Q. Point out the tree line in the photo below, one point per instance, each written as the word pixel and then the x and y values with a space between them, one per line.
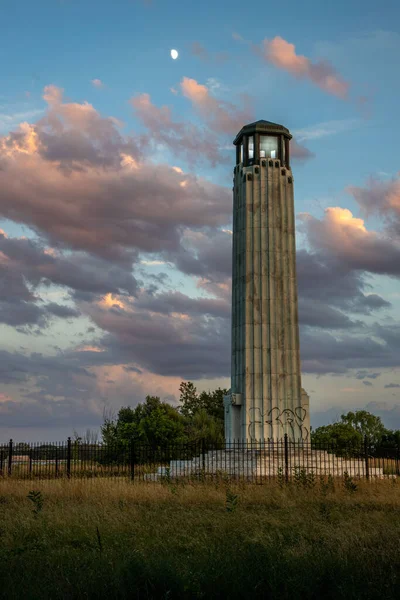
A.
pixel 200 417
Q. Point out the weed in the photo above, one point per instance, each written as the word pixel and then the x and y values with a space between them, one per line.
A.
pixel 348 483
pixel 311 480
pixel 99 542
pixel 325 511
pixel 303 479
pixel 167 476
pixel 281 477
pixel 231 501
pixel 36 497
pixel 323 485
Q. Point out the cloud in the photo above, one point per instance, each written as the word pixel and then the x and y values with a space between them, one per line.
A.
pixel 72 136
pixel 165 343
pixel 214 85
pixel 346 238
pixel 282 54
pixel 169 333
pixel 178 303
pixel 9 121
pixel 201 52
pixel 64 312
pixel 321 278
pixel 60 391
pixel 74 179
pixel 323 352
pixel 389 413
pixel 392 385
pixel 365 374
pixel 220 116
pixel 183 139
pixel 18 304
pixel 103 213
pixel 327 128
pixel 314 313
pixel 97 83
pixel 368 383
pixel 380 198
pixel 205 253
pixel 299 152
pixel 26 260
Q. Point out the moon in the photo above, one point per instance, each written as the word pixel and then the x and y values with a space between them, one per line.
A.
pixel 174 54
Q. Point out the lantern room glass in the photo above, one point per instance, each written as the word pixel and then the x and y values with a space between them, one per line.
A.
pixel 268 146
pixel 251 147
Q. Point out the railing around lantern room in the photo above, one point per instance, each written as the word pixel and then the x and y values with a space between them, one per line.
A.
pixel 254 147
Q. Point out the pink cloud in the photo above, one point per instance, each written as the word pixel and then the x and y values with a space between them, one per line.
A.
pixel 382 198
pixel 344 237
pixel 220 116
pixel 224 117
pixel 300 152
pixel 171 325
pixel 283 55
pixel 75 179
pixel 184 139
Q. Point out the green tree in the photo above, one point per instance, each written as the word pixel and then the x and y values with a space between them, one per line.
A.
pixel 210 402
pixel 366 424
pixel 351 430
pixel 189 398
pixel 203 427
pixel 342 436
pixel 390 439
pixel 152 422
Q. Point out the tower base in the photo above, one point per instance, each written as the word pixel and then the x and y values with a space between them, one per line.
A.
pixel 279 421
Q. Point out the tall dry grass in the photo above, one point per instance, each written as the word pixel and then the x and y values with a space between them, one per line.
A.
pixel 103 539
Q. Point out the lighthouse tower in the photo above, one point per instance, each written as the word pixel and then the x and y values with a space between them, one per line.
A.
pixel 266 399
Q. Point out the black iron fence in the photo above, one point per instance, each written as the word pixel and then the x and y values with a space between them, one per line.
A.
pixel 252 461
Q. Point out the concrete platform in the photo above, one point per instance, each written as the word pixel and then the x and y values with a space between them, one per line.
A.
pixel 253 464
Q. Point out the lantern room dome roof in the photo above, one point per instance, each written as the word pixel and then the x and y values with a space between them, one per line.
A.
pixel 262 126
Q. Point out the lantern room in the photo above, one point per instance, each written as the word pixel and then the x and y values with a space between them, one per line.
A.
pixel 262 140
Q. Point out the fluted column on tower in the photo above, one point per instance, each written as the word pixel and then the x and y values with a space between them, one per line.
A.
pixel 266 399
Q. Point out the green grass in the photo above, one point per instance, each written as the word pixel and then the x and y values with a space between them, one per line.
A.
pixel 107 539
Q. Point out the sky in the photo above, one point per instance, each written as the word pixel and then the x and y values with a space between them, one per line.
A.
pixel 116 166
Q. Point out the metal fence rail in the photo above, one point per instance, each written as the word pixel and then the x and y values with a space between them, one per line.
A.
pixel 257 461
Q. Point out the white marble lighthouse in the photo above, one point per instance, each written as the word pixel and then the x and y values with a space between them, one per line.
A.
pixel 266 398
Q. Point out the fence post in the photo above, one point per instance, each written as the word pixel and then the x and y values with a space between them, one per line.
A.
pixel 30 460
pixel 56 447
pixel 366 457
pixel 286 458
pixel 69 458
pixel 397 459
pixel 203 451
pixel 132 460
pixel 10 454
